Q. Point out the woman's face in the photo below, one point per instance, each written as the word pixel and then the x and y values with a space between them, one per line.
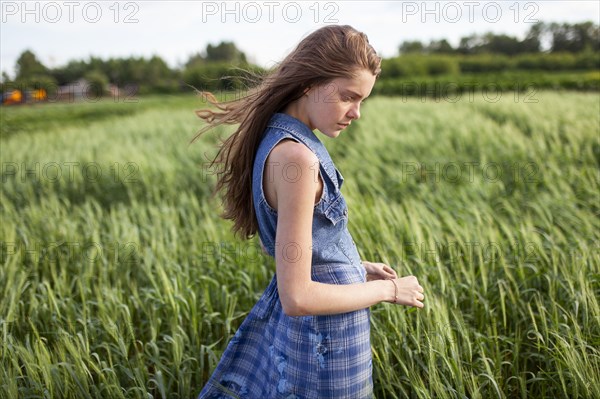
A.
pixel 332 106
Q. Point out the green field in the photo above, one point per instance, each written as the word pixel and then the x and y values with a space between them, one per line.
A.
pixel 118 279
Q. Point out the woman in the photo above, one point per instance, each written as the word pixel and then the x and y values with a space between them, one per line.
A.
pixel 308 335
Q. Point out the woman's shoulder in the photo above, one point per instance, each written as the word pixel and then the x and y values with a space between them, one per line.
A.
pixel 294 169
pixel 289 150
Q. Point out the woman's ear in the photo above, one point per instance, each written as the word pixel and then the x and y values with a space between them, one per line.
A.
pixel 306 90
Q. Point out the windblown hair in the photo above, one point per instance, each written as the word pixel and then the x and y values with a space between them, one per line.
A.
pixel 328 53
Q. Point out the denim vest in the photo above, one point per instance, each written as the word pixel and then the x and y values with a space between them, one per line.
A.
pixel 331 240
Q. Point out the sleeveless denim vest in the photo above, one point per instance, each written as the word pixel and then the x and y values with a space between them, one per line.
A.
pixel 332 242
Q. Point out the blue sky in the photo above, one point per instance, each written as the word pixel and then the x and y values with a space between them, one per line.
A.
pixel 265 30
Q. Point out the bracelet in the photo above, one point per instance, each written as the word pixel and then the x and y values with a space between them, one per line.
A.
pixel 395 290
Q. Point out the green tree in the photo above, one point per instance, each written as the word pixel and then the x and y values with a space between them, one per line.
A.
pixel 75 69
pixel 158 77
pixel 225 52
pixel 414 46
pixel 98 83
pixel 28 65
pixel 439 47
pixel 194 60
pixel 502 44
pixel 534 39
pixel 574 38
pixel 470 44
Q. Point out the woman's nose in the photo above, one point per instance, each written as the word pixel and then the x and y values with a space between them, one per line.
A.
pixel 354 111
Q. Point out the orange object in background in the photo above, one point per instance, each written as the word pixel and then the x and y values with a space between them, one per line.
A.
pixel 12 97
pixel 39 95
pixel 20 97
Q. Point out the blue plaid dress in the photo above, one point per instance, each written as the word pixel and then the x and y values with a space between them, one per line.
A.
pixel 273 355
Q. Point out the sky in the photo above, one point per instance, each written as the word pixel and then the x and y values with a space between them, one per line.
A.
pixel 60 31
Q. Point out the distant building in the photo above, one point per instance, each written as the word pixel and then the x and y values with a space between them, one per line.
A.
pixel 114 90
pixel 79 90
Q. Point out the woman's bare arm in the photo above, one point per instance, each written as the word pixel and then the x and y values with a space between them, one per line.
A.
pixel 293 254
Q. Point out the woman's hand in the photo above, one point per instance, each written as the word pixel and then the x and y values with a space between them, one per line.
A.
pixel 408 292
pixel 379 271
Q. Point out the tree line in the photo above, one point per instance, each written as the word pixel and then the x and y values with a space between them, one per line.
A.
pixel 571 38
pixel 570 47
pixel 145 75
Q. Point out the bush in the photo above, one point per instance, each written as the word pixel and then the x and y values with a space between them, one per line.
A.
pixel 491 82
pixel 411 65
pixel 98 83
pixel 587 60
pixel 442 65
pixel 484 63
pixel 418 65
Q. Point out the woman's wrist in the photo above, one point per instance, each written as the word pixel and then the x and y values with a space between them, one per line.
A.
pixel 366 265
pixel 388 290
pixel 395 290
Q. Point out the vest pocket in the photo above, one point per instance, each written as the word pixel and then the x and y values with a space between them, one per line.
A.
pixel 337 210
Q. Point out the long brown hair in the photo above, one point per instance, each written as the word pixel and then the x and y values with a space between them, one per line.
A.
pixel 330 52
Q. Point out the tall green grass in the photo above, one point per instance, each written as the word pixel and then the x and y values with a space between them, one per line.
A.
pixel 127 284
